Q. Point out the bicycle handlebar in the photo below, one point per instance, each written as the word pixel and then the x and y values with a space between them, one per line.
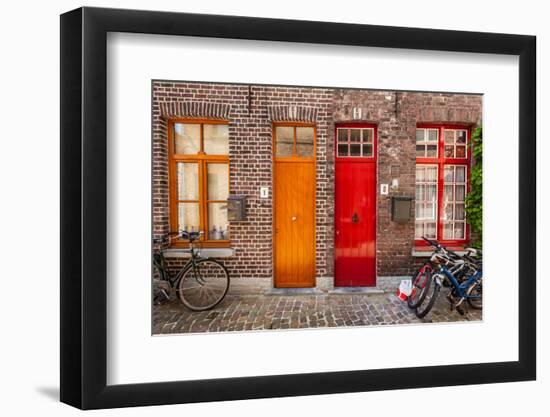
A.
pixel 191 236
pixel 432 242
pixel 440 247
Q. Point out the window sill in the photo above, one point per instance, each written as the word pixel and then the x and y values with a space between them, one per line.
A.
pixel 426 251
pixel 205 252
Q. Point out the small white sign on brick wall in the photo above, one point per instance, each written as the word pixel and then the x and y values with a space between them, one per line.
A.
pixel 264 192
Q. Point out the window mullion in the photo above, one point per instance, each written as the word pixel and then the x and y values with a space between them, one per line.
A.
pixel 440 189
pixel 440 180
pixel 202 199
pixel 201 150
pixel 173 184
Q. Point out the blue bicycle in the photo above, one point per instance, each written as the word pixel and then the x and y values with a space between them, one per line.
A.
pixel 463 274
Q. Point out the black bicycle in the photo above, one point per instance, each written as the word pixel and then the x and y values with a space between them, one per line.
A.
pixel 201 284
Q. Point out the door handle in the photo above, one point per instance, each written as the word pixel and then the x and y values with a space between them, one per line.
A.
pixel 294 218
pixel 354 218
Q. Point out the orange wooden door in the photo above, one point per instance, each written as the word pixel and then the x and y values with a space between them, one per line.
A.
pixel 294 224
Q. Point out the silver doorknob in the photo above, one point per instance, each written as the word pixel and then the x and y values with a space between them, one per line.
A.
pixel 294 218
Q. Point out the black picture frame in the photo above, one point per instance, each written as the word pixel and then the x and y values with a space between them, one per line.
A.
pixel 84 207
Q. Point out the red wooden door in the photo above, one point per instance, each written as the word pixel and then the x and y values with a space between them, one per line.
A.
pixel 355 211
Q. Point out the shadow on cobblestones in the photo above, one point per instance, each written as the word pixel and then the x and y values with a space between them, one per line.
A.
pixel 274 312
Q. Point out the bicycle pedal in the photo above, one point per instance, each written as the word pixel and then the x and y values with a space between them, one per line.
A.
pixel 161 297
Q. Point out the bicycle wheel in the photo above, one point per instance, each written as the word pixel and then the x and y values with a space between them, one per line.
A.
pixel 423 309
pixel 475 295
pixel 420 286
pixel 203 286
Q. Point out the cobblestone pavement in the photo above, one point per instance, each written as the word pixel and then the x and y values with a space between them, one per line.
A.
pixel 272 312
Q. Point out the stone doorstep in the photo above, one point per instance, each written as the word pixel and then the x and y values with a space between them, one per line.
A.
pixel 357 290
pixel 264 286
pixel 294 291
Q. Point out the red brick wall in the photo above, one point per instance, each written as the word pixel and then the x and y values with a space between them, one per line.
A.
pixel 250 149
pixel 397 115
pixel 251 110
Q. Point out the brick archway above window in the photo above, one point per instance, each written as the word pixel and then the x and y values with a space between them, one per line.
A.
pixel 195 109
pixel 292 114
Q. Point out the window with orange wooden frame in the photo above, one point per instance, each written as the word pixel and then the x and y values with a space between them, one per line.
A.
pixel 199 179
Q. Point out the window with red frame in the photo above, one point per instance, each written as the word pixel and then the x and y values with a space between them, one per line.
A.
pixel 442 167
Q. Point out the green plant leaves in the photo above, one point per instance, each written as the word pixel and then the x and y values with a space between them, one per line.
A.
pixel 474 199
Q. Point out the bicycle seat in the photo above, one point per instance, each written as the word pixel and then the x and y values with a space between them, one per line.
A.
pixel 191 236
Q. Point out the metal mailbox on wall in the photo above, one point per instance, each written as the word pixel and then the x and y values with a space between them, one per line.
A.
pixel 236 208
pixel 401 209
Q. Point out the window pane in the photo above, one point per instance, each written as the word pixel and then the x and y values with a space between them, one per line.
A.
pixel 431 192
pixel 355 149
pixel 342 135
pixel 459 230
pixel 420 135
pixel 423 213
pixel 431 174
pixel 419 192
pixel 188 217
pixel 447 212
pixel 342 150
pixel 216 139
pixel 367 149
pixel 285 140
pixel 461 136
pixel 449 174
pixel 367 135
pixel 426 212
pixel 447 231
pixel 461 151
pixel 430 211
pixel 420 151
pixel 187 138
pixel 355 135
pixel 430 230
pixel 304 141
pixel 459 212
pixel 418 230
pixel 460 191
pixel 432 135
pixel 218 181
pixel 188 181
pixel 449 151
pixel 448 193
pixel 431 151
pixel 419 210
pixel 460 173
pixel 449 136
pixel 420 173
pixel 217 219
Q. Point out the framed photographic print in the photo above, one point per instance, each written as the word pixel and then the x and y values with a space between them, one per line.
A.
pixel 279 208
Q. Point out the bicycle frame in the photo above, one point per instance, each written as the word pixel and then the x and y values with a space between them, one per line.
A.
pixel 173 280
pixel 462 288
